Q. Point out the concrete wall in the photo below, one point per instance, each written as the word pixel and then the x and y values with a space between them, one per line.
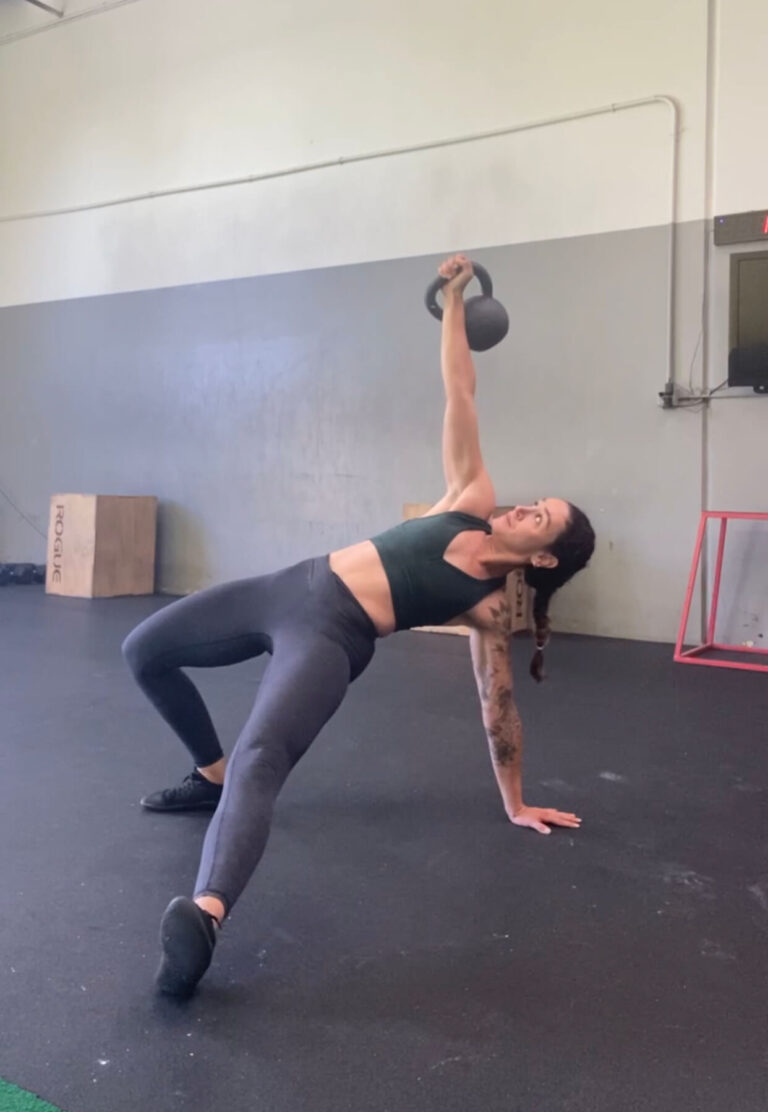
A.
pixel 281 416
pixel 263 362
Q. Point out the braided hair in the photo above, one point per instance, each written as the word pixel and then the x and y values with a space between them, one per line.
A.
pixel 573 549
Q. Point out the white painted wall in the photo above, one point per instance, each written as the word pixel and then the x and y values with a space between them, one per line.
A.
pixel 737 427
pixel 168 93
pixel 741 107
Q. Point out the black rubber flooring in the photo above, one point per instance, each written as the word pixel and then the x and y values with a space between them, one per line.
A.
pixel 402 946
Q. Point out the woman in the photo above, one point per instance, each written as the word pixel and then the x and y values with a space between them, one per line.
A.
pixel 319 620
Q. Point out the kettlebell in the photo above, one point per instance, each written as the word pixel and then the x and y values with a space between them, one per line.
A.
pixel 486 318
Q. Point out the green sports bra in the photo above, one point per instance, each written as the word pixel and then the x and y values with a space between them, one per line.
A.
pixel 426 590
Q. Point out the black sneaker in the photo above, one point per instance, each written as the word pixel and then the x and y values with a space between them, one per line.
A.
pixel 194 793
pixel 188 938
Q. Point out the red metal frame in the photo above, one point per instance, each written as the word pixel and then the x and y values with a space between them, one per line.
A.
pixel 693 656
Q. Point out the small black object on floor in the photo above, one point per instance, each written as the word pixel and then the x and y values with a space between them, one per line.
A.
pixel 402 945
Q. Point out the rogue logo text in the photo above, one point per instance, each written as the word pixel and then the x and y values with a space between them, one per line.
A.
pixel 58 543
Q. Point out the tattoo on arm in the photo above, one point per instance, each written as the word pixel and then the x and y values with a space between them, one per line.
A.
pixel 505 741
pixel 494 682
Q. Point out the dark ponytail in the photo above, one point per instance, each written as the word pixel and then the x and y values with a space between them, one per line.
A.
pixel 573 549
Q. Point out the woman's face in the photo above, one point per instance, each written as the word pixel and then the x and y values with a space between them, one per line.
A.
pixel 527 531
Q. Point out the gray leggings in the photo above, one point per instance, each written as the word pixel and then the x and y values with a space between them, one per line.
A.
pixel 320 639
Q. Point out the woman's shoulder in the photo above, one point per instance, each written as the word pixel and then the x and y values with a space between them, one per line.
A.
pixel 478 500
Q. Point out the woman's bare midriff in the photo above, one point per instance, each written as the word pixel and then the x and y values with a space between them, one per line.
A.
pixel 360 568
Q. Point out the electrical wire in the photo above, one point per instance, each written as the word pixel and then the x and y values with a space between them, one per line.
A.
pixel 697 402
pixel 21 513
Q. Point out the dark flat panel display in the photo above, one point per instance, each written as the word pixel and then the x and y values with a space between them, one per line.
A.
pixel 748 356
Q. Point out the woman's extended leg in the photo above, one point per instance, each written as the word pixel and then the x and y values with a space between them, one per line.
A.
pixel 303 685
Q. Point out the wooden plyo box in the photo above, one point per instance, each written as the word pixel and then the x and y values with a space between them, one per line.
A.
pixel 101 545
pixel 518 592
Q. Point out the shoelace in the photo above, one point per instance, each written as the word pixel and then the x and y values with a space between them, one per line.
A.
pixel 186 787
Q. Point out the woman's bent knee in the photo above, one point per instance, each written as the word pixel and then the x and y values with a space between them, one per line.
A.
pixel 135 651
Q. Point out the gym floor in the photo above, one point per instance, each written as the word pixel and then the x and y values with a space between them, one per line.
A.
pixel 402 946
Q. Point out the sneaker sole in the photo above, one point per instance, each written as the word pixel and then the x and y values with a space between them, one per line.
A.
pixel 206 806
pixel 187 949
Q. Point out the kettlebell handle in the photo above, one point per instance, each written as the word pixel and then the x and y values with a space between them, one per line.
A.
pixel 482 275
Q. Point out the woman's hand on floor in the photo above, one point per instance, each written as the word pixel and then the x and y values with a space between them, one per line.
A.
pixel 538 817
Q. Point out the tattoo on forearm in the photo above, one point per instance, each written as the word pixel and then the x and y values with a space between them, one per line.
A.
pixel 500 715
pixel 505 739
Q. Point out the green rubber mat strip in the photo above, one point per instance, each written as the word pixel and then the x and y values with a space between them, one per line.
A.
pixel 14 1099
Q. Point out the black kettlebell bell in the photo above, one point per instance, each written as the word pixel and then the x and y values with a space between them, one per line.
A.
pixel 487 322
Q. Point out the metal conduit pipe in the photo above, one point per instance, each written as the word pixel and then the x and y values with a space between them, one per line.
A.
pixel 61 18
